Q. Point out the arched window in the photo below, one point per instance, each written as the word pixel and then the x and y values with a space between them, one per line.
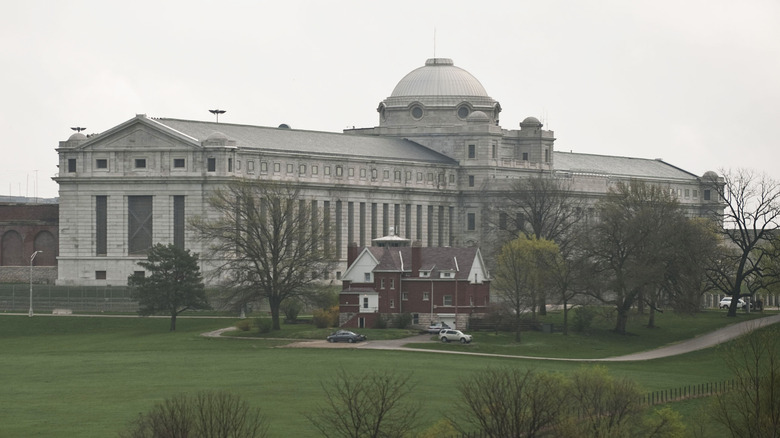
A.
pixel 11 249
pixel 44 241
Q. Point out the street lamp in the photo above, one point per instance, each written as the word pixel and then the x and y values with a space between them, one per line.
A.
pixel 32 257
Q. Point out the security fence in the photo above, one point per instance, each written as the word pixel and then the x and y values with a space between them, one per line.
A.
pixel 46 297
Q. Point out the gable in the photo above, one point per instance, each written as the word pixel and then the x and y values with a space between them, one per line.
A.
pixel 140 134
pixel 365 262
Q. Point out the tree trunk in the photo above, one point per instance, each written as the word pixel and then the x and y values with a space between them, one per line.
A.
pixel 622 321
pixel 275 315
pixel 173 322
pixel 651 320
pixel 517 327
pixel 565 318
pixel 542 305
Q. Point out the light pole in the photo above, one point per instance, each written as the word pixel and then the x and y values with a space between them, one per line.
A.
pixel 32 257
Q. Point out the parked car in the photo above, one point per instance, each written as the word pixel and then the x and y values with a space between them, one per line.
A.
pixel 454 335
pixel 345 336
pixel 726 302
pixel 436 328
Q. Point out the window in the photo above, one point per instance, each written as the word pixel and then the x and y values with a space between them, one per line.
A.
pixel 472 151
pixel 326 170
pixel 430 176
pixel 139 224
pixel 471 219
pixel 338 275
pixel 471 180
pixel 546 155
pixel 706 195
pixel 447 301
pixel 687 193
pixel 397 175
pixel 362 173
pixel 493 150
pixel 302 169
pixel 101 225
pixel 405 296
pixel 211 165
pixel 382 283
pixel 695 194
pixel 230 164
pixel 367 277
pixel 351 172
pixel 71 165
pixel 426 296
pixel 263 166
pixel 385 174
pixel 417 112
pixel 452 178
pixel 139 274
pixel 100 275
pixel 408 175
pixel 365 302
pixel 178 163
pixel 289 168
pixel 178 221
pixel 415 318
pixel 140 163
pixel 525 156
pixel 277 167
pixel 419 176
pixel 250 166
pixel 238 164
pixel 339 171
pixel 374 173
pixel 392 283
pixel 315 170
pixel 463 112
pixel 101 163
pixel 392 303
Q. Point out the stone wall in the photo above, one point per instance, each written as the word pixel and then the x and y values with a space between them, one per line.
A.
pixel 21 274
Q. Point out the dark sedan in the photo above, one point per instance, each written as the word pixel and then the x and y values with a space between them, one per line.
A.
pixel 345 336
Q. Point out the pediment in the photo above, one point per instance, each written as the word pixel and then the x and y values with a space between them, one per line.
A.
pixel 140 136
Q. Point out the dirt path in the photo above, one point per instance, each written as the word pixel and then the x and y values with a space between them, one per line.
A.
pixel 698 343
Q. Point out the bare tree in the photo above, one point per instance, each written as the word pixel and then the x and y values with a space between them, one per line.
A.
pixel 369 404
pixel 268 242
pixel 510 403
pixel 750 220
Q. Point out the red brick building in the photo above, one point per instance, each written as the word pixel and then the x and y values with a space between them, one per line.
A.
pixel 432 284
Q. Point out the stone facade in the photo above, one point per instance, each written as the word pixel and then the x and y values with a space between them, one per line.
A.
pixel 25 229
pixel 431 169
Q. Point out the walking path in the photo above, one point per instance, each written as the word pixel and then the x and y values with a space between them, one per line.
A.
pixel 698 343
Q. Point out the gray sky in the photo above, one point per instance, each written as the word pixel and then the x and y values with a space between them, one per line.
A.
pixel 696 83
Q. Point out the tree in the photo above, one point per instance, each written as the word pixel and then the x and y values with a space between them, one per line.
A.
pixel 174 285
pixel 543 207
pixel 510 403
pixel 268 242
pixel 631 247
pixel 205 415
pixel 368 404
pixel 524 274
pixel 750 220
pixel 752 407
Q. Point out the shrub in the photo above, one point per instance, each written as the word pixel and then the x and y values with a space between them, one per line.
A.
pixel 291 307
pixel 583 317
pixel 244 325
pixel 381 323
pixel 403 320
pixel 264 325
pixel 323 318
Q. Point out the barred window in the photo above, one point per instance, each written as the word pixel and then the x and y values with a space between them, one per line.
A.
pixel 139 224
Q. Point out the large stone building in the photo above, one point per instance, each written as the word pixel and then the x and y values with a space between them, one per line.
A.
pixel 431 168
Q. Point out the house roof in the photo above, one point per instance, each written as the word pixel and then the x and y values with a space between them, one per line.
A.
pixel 618 166
pixel 309 142
pixel 434 259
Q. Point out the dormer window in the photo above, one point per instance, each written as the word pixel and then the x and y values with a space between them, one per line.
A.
pixel 425 274
pixel 446 275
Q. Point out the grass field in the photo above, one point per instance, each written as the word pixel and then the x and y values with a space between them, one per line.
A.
pixel 88 377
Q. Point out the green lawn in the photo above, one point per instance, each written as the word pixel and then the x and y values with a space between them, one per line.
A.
pixel 87 377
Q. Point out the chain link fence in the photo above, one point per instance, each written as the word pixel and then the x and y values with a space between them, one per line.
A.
pixel 47 297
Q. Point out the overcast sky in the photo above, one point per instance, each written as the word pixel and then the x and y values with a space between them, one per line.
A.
pixel 696 83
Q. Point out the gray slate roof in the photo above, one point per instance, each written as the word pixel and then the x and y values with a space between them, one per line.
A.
pixel 435 259
pixel 311 142
pixel 618 166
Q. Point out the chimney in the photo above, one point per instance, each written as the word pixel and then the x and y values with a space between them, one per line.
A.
pixel 416 258
pixel 352 253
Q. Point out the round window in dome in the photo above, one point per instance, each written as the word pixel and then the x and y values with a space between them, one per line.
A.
pixel 417 112
pixel 463 112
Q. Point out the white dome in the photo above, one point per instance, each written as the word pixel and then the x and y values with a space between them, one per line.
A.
pixel 439 77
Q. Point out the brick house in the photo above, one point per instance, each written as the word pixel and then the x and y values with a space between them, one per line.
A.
pixel 431 283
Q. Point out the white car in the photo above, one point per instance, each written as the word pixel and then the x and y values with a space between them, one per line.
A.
pixel 725 303
pixel 454 335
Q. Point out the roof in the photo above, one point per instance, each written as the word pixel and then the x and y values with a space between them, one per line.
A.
pixel 434 259
pixel 309 142
pixel 618 166
pixel 439 77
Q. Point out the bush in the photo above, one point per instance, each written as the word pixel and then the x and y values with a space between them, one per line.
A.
pixel 244 325
pixel 322 318
pixel 403 320
pixel 264 325
pixel 381 323
pixel 291 307
pixel 583 317
pixel 207 414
